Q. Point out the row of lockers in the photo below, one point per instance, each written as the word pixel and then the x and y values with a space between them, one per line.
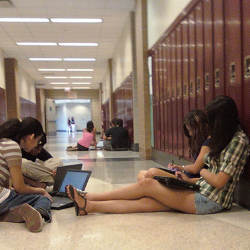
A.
pixel 205 54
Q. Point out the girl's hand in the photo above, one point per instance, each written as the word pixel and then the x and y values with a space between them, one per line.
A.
pixel 180 175
pixel 174 166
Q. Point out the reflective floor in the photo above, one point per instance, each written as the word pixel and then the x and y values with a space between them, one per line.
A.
pixel 164 230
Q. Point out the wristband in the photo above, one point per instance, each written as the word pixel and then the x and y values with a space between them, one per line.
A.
pixel 183 169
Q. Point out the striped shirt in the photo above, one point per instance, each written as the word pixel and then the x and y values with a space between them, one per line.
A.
pixel 9 152
pixel 231 161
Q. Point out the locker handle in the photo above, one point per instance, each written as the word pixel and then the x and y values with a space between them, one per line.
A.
pixel 207 81
pixel 217 78
pixel 191 88
pixel 185 90
pixel 232 72
pixel 247 66
pixel 198 85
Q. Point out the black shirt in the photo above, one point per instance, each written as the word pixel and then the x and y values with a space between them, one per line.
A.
pixel 44 155
pixel 119 137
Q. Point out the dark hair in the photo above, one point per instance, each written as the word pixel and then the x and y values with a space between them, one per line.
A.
pixel 15 129
pixel 198 123
pixel 223 121
pixel 43 140
pixel 90 126
pixel 119 122
pixel 114 122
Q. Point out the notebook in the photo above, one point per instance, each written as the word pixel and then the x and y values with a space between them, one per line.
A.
pixel 176 183
pixel 77 178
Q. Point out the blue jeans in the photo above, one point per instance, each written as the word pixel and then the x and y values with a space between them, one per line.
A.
pixel 40 203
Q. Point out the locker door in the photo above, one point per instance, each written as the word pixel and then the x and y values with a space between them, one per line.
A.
pixel 185 60
pixel 219 86
pixel 246 64
pixel 233 52
pixel 169 101
pixel 174 104
pixel 179 99
pixel 192 58
pixel 208 51
pixel 165 75
pixel 199 56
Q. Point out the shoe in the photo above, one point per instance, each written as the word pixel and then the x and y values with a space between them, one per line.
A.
pixel 77 208
pixel 31 216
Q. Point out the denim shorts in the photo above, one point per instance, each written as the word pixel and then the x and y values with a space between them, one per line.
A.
pixel 204 205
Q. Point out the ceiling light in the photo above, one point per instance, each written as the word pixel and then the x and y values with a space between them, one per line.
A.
pixel 80 70
pixel 58 83
pixel 51 69
pixel 58 87
pixel 67 89
pixel 45 59
pixel 35 44
pixel 79 59
pixel 80 87
pixel 76 20
pixel 79 83
pixel 80 77
pixel 24 20
pixel 55 77
pixel 79 44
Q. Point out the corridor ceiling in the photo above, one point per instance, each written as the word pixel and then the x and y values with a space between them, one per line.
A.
pixel 114 14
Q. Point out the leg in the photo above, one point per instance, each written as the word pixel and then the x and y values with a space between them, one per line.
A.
pixel 181 200
pixel 150 173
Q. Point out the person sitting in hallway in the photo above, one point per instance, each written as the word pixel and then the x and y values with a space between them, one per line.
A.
pixel 39 166
pixel 195 128
pixel 20 202
pixel 229 151
pixel 88 139
pixel 117 135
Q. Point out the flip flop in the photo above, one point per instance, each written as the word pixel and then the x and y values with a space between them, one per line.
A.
pixel 77 208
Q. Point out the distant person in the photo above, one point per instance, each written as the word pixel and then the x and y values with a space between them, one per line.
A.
pixel 73 124
pixel 88 139
pixel 69 126
pixel 117 135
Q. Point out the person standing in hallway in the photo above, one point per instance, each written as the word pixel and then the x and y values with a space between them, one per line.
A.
pixel 69 126
pixel 229 151
pixel 18 201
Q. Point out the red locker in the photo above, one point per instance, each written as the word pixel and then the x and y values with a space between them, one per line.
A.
pixel 174 91
pixel 246 64
pixel 179 98
pixel 192 58
pixel 185 60
pixel 219 86
pixel 233 78
pixel 208 51
pixel 199 56
pixel 169 101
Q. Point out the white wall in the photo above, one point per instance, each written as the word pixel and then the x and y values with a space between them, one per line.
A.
pixel 81 113
pixel 161 14
pixel 2 75
pixel 106 86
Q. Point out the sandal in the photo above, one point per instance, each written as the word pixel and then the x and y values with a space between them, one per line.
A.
pixel 77 208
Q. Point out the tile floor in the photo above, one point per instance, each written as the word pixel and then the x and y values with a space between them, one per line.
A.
pixel 173 230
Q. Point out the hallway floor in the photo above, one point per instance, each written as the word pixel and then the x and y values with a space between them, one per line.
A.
pixel 162 230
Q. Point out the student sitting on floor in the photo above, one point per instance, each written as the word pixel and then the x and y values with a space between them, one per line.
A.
pixel 18 201
pixel 117 135
pixel 88 139
pixel 195 128
pixel 229 150
pixel 39 166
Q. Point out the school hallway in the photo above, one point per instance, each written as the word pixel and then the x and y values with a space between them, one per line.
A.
pixel 161 230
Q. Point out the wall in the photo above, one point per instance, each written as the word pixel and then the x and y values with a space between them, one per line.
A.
pixel 2 90
pixel 161 15
pixel 2 75
pixel 81 94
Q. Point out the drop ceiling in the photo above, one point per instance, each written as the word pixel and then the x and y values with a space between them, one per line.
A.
pixel 114 13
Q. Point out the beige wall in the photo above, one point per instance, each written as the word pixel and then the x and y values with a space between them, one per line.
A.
pixel 81 94
pixel 106 85
pixel 161 14
pixel 2 77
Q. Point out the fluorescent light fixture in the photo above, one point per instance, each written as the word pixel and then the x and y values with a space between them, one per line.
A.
pixel 80 83
pixel 80 87
pixel 67 89
pixel 76 20
pixel 80 70
pixel 79 59
pixel 58 83
pixel 51 69
pixel 45 59
pixel 35 44
pixel 55 77
pixel 79 44
pixel 24 20
pixel 58 87
pixel 63 101
pixel 80 77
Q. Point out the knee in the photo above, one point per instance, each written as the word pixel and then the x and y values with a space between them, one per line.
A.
pixel 147 182
pixel 151 173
